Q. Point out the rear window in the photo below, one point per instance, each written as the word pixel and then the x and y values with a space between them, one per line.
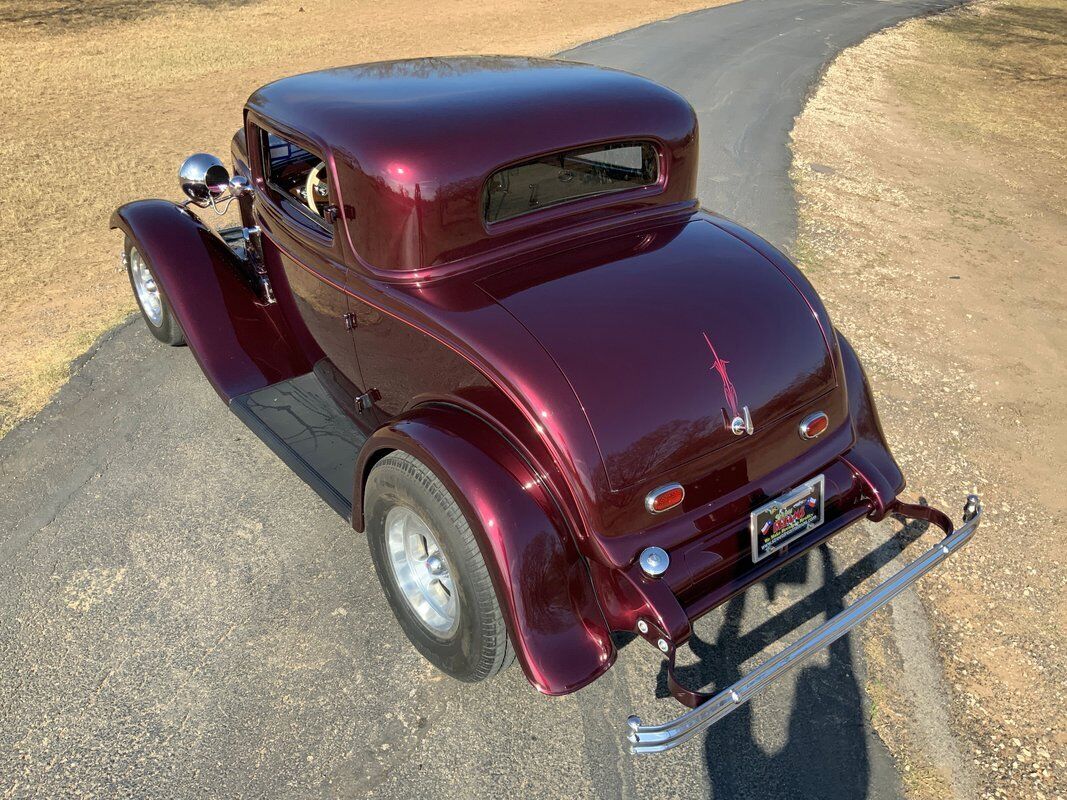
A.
pixel 570 175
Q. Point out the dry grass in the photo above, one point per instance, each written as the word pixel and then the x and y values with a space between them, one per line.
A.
pixel 103 99
pixel 932 170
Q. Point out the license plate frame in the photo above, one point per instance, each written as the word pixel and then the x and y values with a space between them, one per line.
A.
pixel 763 521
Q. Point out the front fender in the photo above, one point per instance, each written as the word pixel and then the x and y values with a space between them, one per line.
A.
pixel 240 344
pixel 561 637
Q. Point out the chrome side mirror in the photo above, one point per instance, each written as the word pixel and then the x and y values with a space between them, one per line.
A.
pixel 203 179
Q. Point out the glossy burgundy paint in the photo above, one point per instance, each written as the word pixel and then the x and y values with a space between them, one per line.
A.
pixel 554 369
pixel 412 143
pixel 653 299
pixel 562 639
pixel 240 345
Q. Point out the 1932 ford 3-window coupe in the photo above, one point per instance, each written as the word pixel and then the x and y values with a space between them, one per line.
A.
pixel 475 305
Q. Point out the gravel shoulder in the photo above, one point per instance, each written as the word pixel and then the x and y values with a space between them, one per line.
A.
pixel 930 170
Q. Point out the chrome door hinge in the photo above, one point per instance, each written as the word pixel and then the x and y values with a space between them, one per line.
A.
pixel 366 402
pixel 350 321
pixel 254 254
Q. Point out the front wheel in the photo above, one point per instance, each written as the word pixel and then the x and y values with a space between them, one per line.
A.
pixel 432 570
pixel 150 298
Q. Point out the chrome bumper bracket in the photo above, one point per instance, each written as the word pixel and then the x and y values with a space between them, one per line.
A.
pixel 659 738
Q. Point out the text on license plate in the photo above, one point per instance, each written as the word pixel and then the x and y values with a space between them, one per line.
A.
pixel 777 523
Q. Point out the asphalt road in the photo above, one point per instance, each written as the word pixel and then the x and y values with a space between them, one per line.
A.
pixel 180 616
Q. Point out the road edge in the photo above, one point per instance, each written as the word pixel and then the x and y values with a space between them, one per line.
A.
pixel 909 632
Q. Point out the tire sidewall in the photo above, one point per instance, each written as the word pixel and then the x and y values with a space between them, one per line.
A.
pixel 168 331
pixel 398 481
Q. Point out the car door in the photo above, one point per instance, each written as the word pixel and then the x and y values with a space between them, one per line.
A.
pixel 302 252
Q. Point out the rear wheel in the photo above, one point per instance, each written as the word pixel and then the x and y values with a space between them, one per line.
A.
pixel 432 570
pixel 150 298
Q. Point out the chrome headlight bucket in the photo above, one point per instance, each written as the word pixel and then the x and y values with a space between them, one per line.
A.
pixel 203 179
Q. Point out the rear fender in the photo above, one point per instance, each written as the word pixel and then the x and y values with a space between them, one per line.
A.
pixel 541 581
pixel 870 456
pixel 240 344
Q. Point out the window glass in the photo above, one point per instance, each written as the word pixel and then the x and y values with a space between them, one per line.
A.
pixel 293 171
pixel 570 175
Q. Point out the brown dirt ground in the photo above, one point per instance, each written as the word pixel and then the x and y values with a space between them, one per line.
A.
pixel 931 165
pixel 103 99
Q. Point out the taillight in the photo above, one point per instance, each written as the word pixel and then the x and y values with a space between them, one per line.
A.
pixel 665 497
pixel 814 425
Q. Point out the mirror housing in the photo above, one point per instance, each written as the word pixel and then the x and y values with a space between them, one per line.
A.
pixel 204 179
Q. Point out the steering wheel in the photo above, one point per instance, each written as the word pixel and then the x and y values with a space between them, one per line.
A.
pixel 312 182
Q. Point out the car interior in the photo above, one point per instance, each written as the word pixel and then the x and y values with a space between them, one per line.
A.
pixel 297 175
pixel 569 175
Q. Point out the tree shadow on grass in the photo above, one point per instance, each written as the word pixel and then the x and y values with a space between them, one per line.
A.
pixel 64 16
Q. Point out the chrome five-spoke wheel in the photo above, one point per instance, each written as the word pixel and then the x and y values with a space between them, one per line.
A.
pixel 145 286
pixel 431 568
pixel 154 304
pixel 421 570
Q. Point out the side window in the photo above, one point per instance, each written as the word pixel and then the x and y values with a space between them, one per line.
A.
pixel 297 179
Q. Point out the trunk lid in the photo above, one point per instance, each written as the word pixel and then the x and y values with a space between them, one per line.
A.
pixel 665 336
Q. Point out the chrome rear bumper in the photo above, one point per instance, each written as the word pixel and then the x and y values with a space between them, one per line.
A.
pixel 658 738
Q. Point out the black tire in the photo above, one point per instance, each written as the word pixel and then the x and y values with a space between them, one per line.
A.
pixel 168 330
pixel 478 648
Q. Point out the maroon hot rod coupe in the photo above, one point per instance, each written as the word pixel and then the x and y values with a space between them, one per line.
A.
pixel 474 303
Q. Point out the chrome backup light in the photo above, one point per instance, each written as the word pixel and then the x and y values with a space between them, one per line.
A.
pixel 654 561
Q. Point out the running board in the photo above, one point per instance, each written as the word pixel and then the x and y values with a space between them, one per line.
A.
pixel 302 424
pixel 658 738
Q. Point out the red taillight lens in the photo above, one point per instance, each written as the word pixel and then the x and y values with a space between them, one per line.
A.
pixel 814 425
pixel 665 497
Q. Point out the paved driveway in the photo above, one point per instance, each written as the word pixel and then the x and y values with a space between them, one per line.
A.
pixel 181 617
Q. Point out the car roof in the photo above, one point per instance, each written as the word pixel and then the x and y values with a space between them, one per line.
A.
pixel 447 123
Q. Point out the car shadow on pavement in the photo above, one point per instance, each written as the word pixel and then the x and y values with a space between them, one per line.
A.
pixel 825 752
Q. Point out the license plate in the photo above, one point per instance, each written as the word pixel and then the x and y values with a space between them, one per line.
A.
pixel 788 517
